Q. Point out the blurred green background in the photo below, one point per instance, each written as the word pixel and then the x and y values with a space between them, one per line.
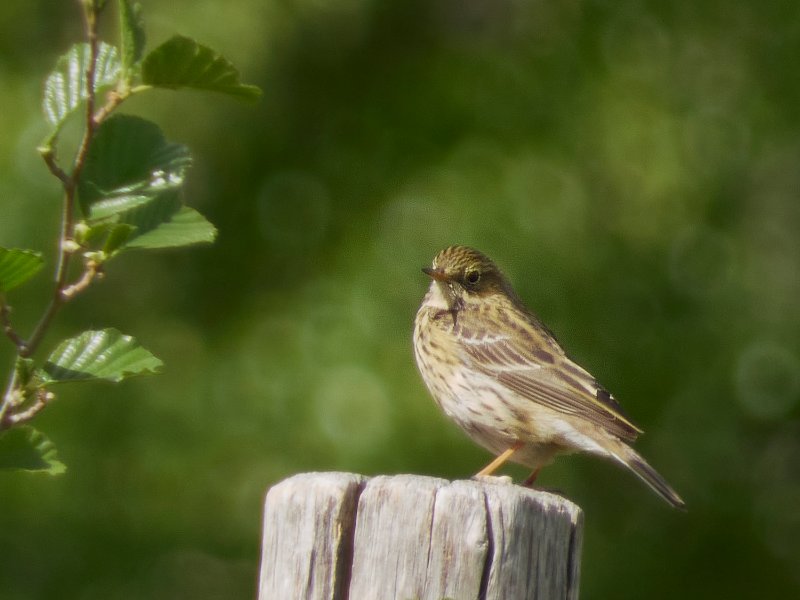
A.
pixel 633 166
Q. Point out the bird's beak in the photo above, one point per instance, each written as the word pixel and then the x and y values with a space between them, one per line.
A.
pixel 435 274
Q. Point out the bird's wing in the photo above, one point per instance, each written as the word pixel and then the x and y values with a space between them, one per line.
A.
pixel 536 368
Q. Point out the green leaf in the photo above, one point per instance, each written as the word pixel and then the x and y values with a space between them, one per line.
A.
pixel 182 62
pixel 118 235
pixel 65 87
pixel 17 266
pixel 163 223
pixel 105 354
pixel 114 205
pixel 185 227
pixel 131 35
pixel 108 236
pixel 25 370
pixel 24 448
pixel 133 177
pixel 129 164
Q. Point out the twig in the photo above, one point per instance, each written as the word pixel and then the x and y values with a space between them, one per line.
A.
pixel 114 100
pixel 43 397
pixel 42 325
pixel 8 399
pixel 8 329
pixel 70 183
pixel 49 155
pixel 88 134
pixel 93 270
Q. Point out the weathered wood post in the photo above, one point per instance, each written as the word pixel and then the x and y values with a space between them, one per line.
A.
pixel 339 536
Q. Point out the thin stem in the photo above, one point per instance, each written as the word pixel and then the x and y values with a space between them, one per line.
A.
pixel 92 270
pixel 8 329
pixel 50 159
pixel 42 398
pixel 66 247
pixel 70 183
pixel 15 396
pixel 42 325
pixel 114 100
pixel 8 398
pixel 88 133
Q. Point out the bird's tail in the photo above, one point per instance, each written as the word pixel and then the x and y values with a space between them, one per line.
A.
pixel 631 459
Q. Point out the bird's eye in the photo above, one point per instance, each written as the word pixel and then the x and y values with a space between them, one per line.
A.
pixel 472 277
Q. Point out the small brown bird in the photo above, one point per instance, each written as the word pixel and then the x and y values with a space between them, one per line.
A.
pixel 501 375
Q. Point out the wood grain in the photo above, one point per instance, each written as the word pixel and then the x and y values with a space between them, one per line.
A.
pixel 342 536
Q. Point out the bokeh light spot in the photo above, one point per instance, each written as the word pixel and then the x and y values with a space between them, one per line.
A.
pixel 293 209
pixel 713 138
pixel 701 261
pixel 352 408
pixel 636 44
pixel 777 479
pixel 768 380
pixel 548 198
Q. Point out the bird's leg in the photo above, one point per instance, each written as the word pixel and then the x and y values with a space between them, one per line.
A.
pixel 497 462
pixel 532 477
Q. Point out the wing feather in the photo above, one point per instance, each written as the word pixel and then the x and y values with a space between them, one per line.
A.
pixel 549 378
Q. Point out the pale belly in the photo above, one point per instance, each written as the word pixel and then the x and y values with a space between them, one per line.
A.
pixel 490 414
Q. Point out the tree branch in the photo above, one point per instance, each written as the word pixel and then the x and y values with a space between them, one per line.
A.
pixel 70 183
pixel 114 100
pixel 43 398
pixel 92 271
pixel 8 329
pixel 49 155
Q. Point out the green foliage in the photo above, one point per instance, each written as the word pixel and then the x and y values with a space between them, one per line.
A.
pixel 132 38
pixel 181 62
pixel 105 354
pixel 123 190
pixel 65 88
pixel 17 266
pixel 27 449
pixel 180 227
pixel 129 164
pixel 631 165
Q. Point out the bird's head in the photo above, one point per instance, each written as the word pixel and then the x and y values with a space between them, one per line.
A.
pixel 461 274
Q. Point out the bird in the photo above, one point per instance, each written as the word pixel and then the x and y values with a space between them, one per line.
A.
pixel 499 373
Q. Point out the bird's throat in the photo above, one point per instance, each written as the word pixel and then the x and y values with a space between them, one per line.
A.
pixel 444 300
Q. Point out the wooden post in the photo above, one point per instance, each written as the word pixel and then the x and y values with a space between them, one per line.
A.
pixel 339 536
